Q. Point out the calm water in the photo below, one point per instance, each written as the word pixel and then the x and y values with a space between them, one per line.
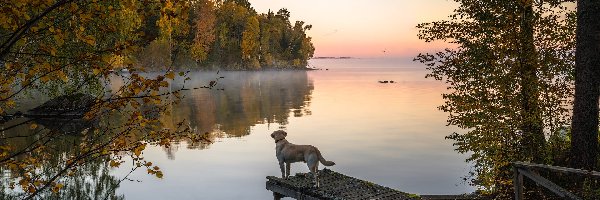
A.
pixel 390 134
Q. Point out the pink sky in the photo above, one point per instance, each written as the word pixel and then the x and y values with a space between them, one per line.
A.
pixel 364 28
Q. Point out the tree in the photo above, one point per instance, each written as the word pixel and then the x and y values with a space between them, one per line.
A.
pixel 67 49
pixel 300 47
pixel 64 48
pixel 281 44
pixel 205 30
pixel 584 128
pixel 247 40
pixel 231 20
pixel 174 28
pixel 509 81
pixel 250 42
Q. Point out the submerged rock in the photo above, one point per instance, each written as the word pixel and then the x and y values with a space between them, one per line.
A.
pixel 66 106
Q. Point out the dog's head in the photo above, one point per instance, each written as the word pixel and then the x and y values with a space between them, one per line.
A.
pixel 278 135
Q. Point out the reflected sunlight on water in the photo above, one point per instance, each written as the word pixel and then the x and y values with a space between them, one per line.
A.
pixel 390 134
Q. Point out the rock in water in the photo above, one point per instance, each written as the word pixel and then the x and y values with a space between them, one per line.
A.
pixel 66 106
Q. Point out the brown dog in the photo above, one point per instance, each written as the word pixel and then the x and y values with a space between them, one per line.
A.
pixel 290 153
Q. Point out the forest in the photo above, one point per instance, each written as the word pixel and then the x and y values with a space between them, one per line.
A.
pixel 226 34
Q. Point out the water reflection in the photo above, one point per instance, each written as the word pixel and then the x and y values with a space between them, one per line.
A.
pixel 389 134
pixel 90 181
pixel 67 126
pixel 239 101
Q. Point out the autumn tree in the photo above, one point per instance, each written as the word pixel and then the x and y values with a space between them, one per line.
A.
pixel 66 48
pixel 250 43
pixel 204 29
pixel 231 20
pixel 509 82
pixel 174 30
pixel 226 34
pixel 584 129
pixel 266 32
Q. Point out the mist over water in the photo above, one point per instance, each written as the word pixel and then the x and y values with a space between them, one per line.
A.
pixel 387 133
pixel 390 134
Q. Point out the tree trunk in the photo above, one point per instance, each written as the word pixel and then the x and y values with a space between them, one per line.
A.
pixel 532 127
pixel 584 128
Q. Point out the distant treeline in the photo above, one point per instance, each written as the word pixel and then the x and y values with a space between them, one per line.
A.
pixel 227 34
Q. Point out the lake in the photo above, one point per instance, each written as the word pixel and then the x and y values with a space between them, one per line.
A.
pixel 390 134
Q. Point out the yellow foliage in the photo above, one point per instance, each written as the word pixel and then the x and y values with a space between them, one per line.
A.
pixel 137 151
pixel 68 50
pixel 170 75
pixel 57 187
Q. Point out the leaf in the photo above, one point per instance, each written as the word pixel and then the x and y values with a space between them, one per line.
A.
pixel 138 150
pixel 33 126
pixel 170 75
pixel 114 163
pixel 57 187
pixel 44 79
pixel 164 84
pixel 90 40
pixel 63 76
pixel 31 189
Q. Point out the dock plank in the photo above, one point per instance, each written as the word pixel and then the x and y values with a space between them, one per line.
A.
pixel 334 186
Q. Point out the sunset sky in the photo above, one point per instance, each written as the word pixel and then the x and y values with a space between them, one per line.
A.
pixel 364 28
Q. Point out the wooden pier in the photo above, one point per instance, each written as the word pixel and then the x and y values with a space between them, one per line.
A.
pixel 333 185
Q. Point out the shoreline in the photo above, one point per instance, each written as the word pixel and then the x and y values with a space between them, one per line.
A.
pixel 236 70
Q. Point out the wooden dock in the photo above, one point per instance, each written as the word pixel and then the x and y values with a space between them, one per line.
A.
pixel 333 185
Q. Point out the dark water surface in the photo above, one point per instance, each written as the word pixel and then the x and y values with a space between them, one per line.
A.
pixel 390 134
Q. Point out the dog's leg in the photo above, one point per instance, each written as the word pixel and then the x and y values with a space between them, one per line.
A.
pixel 316 172
pixel 287 170
pixel 314 167
pixel 282 170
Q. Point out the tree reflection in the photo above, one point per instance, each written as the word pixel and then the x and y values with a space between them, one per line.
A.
pixel 239 101
pixel 90 181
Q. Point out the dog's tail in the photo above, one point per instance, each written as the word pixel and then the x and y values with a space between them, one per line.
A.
pixel 323 161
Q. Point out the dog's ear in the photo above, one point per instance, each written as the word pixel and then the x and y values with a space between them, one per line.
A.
pixel 273 136
pixel 284 133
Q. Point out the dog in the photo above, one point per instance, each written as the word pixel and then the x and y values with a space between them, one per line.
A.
pixel 289 153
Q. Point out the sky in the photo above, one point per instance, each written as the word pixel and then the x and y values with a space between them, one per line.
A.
pixel 364 28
